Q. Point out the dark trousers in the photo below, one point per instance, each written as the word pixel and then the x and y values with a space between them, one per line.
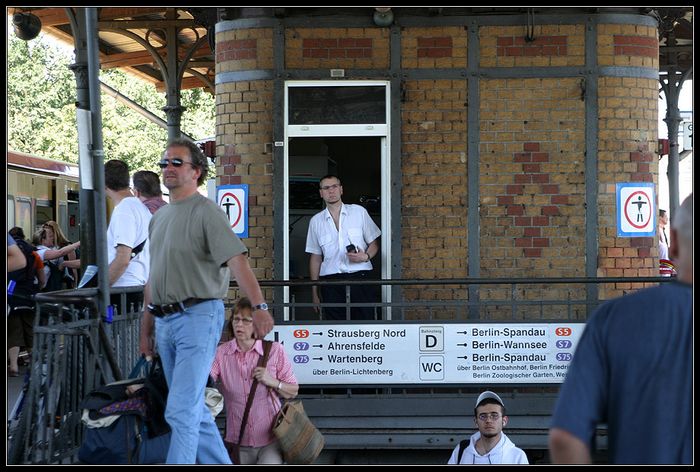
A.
pixel 358 294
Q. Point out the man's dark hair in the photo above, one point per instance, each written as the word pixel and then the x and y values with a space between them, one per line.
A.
pixel 148 183
pixel 25 277
pixel 17 233
pixel 199 160
pixel 490 401
pixel 116 175
pixel 662 212
pixel 329 176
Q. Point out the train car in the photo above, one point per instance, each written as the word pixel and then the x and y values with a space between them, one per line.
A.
pixel 39 190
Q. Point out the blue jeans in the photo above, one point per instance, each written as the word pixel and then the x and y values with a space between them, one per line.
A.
pixel 186 342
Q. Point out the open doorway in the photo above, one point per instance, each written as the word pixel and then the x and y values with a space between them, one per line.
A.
pixel 357 161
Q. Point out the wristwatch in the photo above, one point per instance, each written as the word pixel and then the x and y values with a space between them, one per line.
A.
pixel 262 306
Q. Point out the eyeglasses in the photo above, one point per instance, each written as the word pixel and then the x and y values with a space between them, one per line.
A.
pixel 176 162
pixel 329 187
pixel 491 416
pixel 245 321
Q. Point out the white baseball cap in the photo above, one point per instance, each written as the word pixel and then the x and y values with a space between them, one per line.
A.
pixel 488 394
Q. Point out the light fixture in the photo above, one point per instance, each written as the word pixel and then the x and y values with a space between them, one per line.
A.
pixel 26 25
pixel 383 16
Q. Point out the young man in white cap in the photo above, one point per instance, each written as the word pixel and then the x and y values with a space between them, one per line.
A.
pixel 489 445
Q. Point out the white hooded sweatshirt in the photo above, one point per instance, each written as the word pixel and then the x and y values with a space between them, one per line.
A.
pixel 504 452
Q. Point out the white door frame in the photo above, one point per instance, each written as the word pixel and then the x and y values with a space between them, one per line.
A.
pixel 350 130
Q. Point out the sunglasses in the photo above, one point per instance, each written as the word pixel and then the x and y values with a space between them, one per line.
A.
pixel 176 162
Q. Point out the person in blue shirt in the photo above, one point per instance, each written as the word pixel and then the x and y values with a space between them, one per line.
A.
pixel 15 258
pixel 633 370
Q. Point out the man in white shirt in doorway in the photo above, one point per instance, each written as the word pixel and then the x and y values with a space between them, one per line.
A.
pixel 342 240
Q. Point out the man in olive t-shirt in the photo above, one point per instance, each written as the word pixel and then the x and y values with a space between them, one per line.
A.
pixel 193 250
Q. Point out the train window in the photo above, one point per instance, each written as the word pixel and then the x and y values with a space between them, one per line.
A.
pixel 63 217
pixel 73 195
pixel 44 212
pixel 23 215
pixel 10 211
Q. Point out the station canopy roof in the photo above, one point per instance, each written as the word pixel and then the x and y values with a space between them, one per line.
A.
pixel 118 28
pixel 121 49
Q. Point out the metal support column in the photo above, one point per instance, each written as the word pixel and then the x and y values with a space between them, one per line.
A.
pixel 173 109
pixel 673 119
pixel 88 255
pixel 97 159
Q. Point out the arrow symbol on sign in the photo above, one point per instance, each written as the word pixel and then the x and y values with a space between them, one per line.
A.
pixel 317 358
pixel 461 332
pixel 462 357
pixel 318 334
pixel 462 344
pixel 317 345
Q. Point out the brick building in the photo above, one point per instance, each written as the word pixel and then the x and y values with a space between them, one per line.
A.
pixel 484 143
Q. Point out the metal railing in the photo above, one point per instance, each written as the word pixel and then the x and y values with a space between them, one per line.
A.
pixel 74 352
pixel 465 299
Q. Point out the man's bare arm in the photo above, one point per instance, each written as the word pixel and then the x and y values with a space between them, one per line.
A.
pixel 565 448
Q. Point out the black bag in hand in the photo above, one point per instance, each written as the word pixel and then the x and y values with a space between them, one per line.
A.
pixel 156 399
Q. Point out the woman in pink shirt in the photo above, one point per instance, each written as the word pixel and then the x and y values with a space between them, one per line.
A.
pixel 235 368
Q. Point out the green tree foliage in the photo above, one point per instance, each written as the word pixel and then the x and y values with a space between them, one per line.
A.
pixel 41 108
pixel 41 101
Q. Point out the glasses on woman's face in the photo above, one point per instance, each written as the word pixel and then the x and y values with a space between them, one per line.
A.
pixel 176 162
pixel 245 321
pixel 489 416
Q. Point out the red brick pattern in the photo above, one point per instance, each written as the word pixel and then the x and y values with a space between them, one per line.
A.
pixel 435 47
pixel 229 160
pixel 532 240
pixel 540 46
pixel 332 48
pixel 236 49
pixel 643 158
pixel 636 46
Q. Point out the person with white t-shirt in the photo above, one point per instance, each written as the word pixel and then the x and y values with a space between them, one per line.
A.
pixel 127 234
pixel 342 239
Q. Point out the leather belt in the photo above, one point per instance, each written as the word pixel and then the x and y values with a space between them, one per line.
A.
pixel 177 307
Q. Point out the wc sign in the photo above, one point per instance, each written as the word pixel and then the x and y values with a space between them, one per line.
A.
pixel 233 200
pixel 636 211
pixel 431 344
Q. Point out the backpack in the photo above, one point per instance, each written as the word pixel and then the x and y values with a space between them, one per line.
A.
pixel 463 444
pixel 55 279
pixel 26 283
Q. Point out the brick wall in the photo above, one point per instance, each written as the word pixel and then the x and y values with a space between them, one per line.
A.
pixel 553 45
pixel 244 125
pixel 628 45
pixel 531 144
pixel 434 172
pixel 337 48
pixel 244 49
pixel 531 178
pixel 434 47
pixel 627 140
